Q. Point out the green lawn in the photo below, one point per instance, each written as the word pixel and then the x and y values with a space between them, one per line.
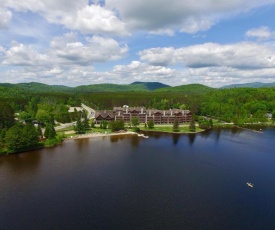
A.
pixel 169 128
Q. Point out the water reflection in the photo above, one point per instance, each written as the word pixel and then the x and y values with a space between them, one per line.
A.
pixel 135 141
pixel 175 138
pixel 218 134
pixel 82 143
pixel 22 163
pixel 191 137
pixel 206 133
pixel 117 138
pixel 236 130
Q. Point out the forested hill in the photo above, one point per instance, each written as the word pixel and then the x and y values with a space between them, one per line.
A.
pixel 34 87
pixel 191 88
pixel 133 87
pixel 250 85
pixel 110 88
pixel 151 85
pixel 240 105
pixel 39 87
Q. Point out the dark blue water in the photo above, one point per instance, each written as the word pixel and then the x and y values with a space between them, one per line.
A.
pixel 128 182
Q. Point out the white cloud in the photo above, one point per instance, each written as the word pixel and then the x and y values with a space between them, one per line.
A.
pixel 193 25
pixel 118 17
pixel 5 16
pixel 188 15
pixel 65 50
pixel 96 19
pixel 23 55
pixel 261 33
pixel 96 49
pixel 75 15
pixel 2 50
pixel 137 71
pixel 51 9
pixel 240 55
pixel 67 61
pixel 215 64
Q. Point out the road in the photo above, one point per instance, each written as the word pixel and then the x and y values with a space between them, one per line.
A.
pixel 63 126
pixel 91 115
pixel 91 112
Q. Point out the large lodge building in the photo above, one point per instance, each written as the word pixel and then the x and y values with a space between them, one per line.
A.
pixel 144 115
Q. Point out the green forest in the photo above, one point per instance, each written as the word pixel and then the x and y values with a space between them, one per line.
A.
pixel 29 102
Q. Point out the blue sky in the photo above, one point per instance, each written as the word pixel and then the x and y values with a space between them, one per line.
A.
pixel 175 42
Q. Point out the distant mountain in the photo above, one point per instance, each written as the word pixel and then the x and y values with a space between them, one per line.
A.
pixel 191 88
pixel 21 89
pixel 34 87
pixel 151 85
pixel 109 88
pixel 40 87
pixel 134 87
pixel 250 85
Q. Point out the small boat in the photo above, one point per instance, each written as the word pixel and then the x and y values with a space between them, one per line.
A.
pixel 250 184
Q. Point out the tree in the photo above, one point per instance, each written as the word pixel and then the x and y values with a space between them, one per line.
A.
pixel 192 126
pixel 85 122
pixel 135 121
pixel 39 131
pixel 103 124
pixel 30 136
pixel 14 139
pixel 6 116
pixel 2 135
pixel 50 131
pixel 150 124
pixel 25 116
pixel 116 125
pixel 79 128
pixel 43 116
pixel 62 115
pixel 205 123
pixel 2 138
pixel 176 126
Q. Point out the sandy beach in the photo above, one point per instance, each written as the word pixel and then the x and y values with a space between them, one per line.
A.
pixel 90 135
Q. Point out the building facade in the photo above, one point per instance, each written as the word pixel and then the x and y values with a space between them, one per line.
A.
pixel 144 115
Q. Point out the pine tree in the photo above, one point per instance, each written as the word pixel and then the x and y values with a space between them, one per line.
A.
pixel 6 116
pixel 13 139
pixel 85 124
pixel 150 124
pixel 79 126
pixel 192 126
pixel 50 131
pixel 176 126
pixel 30 136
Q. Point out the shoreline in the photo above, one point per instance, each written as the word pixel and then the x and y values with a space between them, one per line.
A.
pixel 91 135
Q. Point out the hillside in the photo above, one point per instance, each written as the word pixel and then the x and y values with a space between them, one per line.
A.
pixel 39 87
pixel 151 85
pixel 250 85
pixel 191 88
pixel 109 88
pixel 15 90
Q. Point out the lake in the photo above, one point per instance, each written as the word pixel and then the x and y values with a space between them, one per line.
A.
pixel 127 182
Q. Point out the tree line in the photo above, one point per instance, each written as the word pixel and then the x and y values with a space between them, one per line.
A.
pixel 237 105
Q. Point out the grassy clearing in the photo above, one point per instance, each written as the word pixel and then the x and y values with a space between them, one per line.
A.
pixel 183 128
pixel 169 129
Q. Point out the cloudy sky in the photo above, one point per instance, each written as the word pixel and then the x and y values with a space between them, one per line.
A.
pixel 176 42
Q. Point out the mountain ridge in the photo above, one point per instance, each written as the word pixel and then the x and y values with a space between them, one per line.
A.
pixel 250 85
